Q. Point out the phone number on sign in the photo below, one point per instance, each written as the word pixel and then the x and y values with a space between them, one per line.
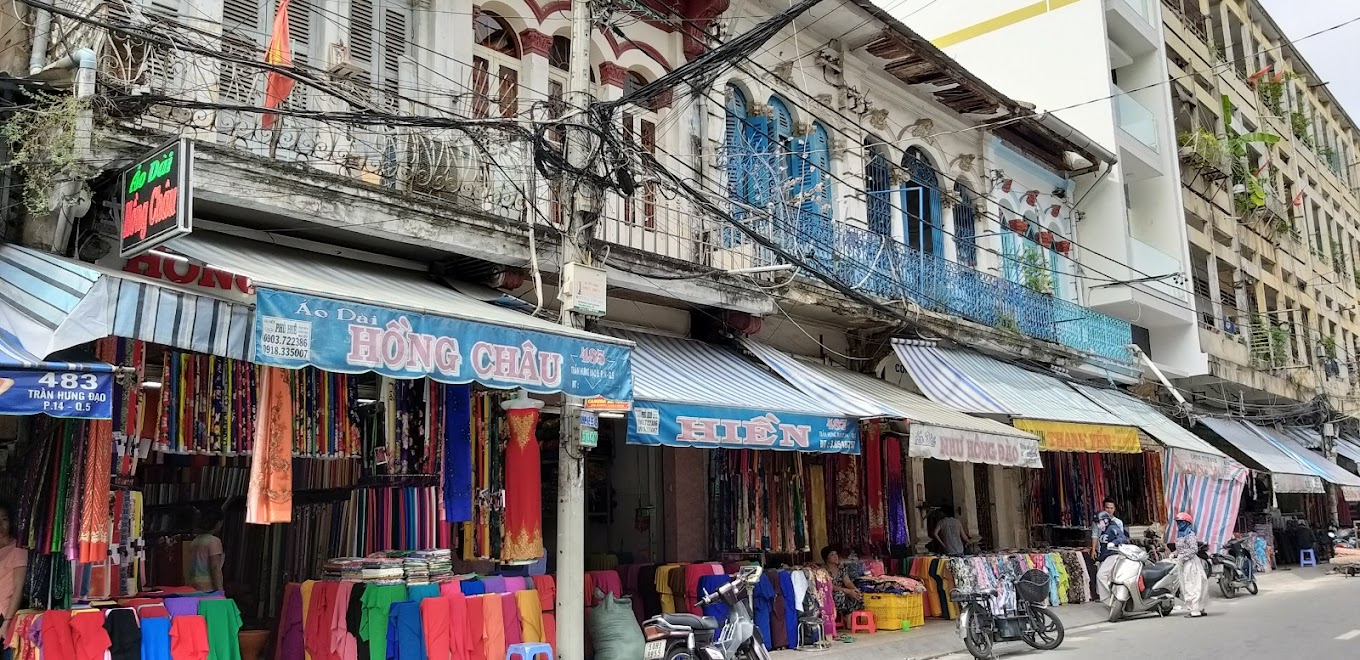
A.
pixel 286 338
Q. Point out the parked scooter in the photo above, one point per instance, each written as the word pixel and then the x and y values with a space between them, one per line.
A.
pixel 1235 569
pixel 689 637
pixel 1138 585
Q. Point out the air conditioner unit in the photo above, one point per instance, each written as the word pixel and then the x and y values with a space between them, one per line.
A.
pixel 339 64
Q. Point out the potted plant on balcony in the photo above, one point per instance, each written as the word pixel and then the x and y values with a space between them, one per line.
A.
pixel 1046 239
pixel 1019 226
pixel 1034 271
pixel 1063 246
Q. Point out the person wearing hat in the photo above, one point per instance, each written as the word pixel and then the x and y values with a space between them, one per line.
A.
pixel 1194 580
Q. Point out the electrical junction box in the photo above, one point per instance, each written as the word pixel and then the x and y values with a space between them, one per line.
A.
pixel 583 289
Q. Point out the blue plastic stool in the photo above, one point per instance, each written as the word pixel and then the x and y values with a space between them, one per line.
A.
pixel 1307 557
pixel 529 651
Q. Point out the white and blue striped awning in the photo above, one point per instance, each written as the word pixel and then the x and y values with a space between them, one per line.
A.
pixel 1288 474
pixel 978 384
pixel 930 424
pixel 1145 417
pixel 693 394
pixel 49 303
pixel 1327 470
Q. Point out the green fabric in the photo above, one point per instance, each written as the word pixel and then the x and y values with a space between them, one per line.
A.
pixel 377 602
pixel 224 628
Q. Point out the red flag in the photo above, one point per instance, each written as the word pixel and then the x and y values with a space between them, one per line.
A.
pixel 277 86
pixel 1298 199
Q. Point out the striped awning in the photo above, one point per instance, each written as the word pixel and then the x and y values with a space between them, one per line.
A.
pixel 1146 417
pixel 693 394
pixel 975 383
pixel 1329 471
pixel 1349 447
pixel 1288 474
pixel 49 303
pixel 935 430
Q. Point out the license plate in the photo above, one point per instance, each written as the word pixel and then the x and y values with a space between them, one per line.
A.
pixel 654 650
pixel 1217 569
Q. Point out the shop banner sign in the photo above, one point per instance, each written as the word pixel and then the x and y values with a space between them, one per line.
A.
pixel 688 425
pixel 80 395
pixel 1072 436
pixel 1184 461
pixel 294 330
pixel 1295 483
pixel 946 444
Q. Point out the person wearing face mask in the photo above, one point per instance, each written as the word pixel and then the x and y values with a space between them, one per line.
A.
pixel 1194 581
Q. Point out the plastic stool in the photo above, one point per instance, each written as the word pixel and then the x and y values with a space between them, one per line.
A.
pixel 862 621
pixel 1307 557
pixel 529 651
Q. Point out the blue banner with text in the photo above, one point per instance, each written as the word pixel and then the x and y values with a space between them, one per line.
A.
pixel 689 425
pixel 77 394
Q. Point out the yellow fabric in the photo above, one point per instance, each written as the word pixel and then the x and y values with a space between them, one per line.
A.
pixel 307 605
pixel 663 587
pixel 530 615
pixel 1071 436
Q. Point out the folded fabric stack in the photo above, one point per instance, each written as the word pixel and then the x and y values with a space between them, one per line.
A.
pixel 383 570
pixel 889 584
pixel 349 569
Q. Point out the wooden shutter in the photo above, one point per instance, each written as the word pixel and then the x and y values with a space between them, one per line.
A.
pixel 361 33
pixel 481 87
pixel 509 92
pixel 647 130
pixel 394 50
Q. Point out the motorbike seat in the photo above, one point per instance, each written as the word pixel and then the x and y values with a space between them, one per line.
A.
pixel 1154 573
pixel 691 621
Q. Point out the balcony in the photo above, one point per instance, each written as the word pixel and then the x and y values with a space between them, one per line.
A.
pixel 1135 119
pixel 1133 25
pixel 1189 13
pixel 1138 137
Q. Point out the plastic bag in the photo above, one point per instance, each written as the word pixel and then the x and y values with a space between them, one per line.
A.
pixel 614 630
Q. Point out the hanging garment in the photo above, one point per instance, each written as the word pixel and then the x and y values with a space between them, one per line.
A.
pixel 763 594
pixel 458 453
pixel 354 619
pixel 342 645
pixel 779 629
pixel 434 621
pixel 189 638
pixel 270 497
pixel 530 615
pixel 514 629
pixel 524 494
pixel 547 592
pixel 476 622
pixel 493 623
pixel 57 641
pixel 94 514
pixel 88 636
pixel 377 608
pixel 155 639
pixel 405 634
pixel 125 634
pixel 224 627
pixel 460 638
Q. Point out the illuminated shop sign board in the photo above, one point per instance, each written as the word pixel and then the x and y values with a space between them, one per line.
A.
pixel 157 198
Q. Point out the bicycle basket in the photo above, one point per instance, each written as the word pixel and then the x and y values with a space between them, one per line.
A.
pixel 1032 587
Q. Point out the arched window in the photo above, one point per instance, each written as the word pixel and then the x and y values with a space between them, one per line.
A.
pixel 559 56
pixel 495 58
pixel 639 128
pixel 737 154
pixel 965 225
pixel 878 182
pixel 810 169
pixel 921 204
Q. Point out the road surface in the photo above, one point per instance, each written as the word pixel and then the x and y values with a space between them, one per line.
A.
pixel 1313 616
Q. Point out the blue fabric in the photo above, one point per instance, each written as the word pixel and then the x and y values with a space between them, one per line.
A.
pixel 764 597
pixel 156 638
pixel 709 584
pixel 472 587
pixel 1184 528
pixel 405 634
pixel 790 607
pixel 423 591
pixel 458 453
pixel 1052 567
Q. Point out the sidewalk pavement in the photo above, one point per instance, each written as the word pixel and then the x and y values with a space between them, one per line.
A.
pixel 940 638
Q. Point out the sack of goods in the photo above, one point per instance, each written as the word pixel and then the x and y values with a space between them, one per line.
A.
pixel 614 630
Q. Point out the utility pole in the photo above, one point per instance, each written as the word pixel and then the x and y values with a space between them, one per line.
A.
pixel 582 206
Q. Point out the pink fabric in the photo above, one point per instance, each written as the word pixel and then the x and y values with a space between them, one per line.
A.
pixel 343 644
pixel 828 603
pixel 514 628
pixel 513 584
pixel 460 633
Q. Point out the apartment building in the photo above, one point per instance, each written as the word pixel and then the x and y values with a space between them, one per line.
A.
pixel 1102 77
pixel 1268 171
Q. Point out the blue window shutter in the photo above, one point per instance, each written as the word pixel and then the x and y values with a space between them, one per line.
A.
pixel 781 120
pixel 1011 267
pixel 760 170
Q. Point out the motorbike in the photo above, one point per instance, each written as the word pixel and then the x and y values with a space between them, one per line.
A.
pixel 1234 569
pixel 688 637
pixel 1138 585
pixel 1152 543
pixel 1030 621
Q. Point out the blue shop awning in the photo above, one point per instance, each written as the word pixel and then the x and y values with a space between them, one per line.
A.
pixel 1288 474
pixel 49 303
pixel 934 430
pixel 691 394
pixel 975 383
pixel 349 316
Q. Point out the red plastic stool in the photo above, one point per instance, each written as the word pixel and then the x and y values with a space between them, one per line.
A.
pixel 862 622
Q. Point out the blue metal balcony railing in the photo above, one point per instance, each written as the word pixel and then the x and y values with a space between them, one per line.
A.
pixel 881 266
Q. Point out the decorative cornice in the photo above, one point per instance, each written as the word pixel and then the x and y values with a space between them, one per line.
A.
pixel 534 42
pixel 612 74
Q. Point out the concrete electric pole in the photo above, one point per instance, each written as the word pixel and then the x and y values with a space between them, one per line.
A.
pixel 582 204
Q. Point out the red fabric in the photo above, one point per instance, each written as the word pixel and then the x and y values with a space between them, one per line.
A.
pixel 316 630
pixel 277 86
pixel 90 639
pixel 152 611
pixel 57 643
pixel 189 638
pixel 550 631
pixel 434 622
pixel 476 629
pixel 873 459
pixel 524 495
pixel 514 627
pixel 692 574
pixel 547 592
